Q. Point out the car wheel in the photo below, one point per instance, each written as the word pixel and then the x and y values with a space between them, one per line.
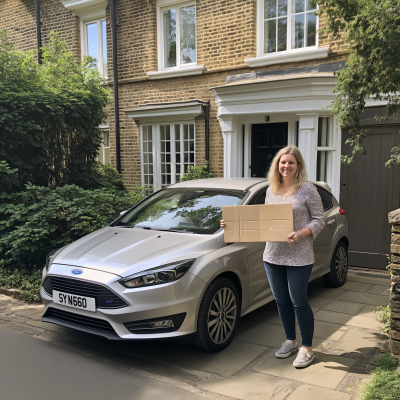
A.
pixel 339 266
pixel 218 316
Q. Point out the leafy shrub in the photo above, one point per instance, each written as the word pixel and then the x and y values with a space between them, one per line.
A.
pixel 40 219
pixel 196 172
pixel 50 116
pixel 27 281
pixel 108 177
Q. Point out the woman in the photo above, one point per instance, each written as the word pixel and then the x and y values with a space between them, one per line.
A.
pixel 289 264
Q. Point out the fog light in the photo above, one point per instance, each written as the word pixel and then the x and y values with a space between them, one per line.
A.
pixel 396 288
pixel 168 323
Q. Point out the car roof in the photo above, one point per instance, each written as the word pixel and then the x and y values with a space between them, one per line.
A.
pixel 232 183
pixel 221 183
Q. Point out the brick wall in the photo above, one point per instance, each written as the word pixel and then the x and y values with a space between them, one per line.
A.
pixel 394 333
pixel 17 17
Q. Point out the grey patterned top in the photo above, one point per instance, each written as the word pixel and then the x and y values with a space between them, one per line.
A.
pixel 307 213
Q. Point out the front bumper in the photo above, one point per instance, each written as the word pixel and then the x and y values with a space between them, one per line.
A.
pixel 151 303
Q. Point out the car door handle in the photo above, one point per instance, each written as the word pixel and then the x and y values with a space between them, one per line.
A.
pixel 330 222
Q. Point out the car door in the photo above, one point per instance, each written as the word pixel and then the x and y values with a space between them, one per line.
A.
pixel 258 282
pixel 326 239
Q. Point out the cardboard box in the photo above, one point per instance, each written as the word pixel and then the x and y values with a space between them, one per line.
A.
pixel 258 223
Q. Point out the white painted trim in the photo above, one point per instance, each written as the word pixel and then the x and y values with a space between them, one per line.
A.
pixel 166 3
pixel 87 9
pixel 305 53
pixel 176 72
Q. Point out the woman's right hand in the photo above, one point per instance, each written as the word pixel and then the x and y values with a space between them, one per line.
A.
pixel 222 223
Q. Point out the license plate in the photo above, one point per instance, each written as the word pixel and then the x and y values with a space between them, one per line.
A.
pixel 72 300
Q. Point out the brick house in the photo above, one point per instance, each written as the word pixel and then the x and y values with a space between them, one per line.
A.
pixel 228 81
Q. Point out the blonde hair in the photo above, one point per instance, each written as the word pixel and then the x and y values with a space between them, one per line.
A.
pixel 275 177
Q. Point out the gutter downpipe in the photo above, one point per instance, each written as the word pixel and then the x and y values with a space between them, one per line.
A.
pixel 38 30
pixel 206 110
pixel 115 77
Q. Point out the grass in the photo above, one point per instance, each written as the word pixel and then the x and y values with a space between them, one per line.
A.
pixel 385 381
pixel 384 318
pixel 26 281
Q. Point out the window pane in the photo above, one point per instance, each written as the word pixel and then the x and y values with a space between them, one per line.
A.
pixel 270 9
pixel 170 38
pixel 321 165
pixel 298 6
pixel 282 8
pixel 298 31
pixel 323 131
pixel 187 19
pixel 91 30
pixel 270 36
pixel 106 139
pixel 104 37
pixel 311 5
pixel 282 34
pixel 311 29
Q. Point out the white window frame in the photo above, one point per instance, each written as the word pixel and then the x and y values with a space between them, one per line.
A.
pixel 164 6
pixel 288 55
pixel 104 151
pixel 157 185
pixel 100 58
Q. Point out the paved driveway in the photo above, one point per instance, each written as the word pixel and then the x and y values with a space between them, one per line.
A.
pixel 346 338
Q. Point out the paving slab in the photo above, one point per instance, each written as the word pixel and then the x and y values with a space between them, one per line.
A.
pixel 327 370
pixel 346 319
pixel 356 286
pixel 306 392
pixel 382 290
pixel 262 315
pixel 323 292
pixel 317 303
pixel 364 298
pixel 368 311
pixel 360 342
pixel 260 333
pixel 346 307
pixel 326 330
pixel 375 279
pixel 250 386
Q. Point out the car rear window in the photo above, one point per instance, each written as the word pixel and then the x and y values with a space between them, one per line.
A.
pixel 326 197
pixel 189 210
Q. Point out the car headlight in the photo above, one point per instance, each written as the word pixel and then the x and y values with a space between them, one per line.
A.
pixel 157 276
pixel 50 257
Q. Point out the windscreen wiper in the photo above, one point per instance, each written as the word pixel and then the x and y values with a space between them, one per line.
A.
pixel 163 229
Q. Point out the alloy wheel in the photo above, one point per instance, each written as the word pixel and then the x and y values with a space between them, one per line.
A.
pixel 341 263
pixel 222 315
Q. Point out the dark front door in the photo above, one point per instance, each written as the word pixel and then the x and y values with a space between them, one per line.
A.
pixel 369 191
pixel 266 141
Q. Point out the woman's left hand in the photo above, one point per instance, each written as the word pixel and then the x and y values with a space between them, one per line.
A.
pixel 294 237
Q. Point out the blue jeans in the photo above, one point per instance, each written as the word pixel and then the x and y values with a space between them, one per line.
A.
pixel 289 287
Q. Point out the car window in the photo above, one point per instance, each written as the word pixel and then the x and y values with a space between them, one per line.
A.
pixel 259 198
pixel 187 209
pixel 326 197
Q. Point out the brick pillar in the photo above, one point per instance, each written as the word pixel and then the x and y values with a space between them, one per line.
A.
pixel 394 333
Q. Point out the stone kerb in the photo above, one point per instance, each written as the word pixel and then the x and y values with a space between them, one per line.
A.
pixel 394 333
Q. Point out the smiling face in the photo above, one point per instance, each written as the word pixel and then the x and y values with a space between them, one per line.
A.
pixel 288 166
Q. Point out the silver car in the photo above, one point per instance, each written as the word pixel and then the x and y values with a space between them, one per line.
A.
pixel 162 270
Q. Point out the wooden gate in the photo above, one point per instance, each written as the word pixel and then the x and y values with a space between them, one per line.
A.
pixel 369 191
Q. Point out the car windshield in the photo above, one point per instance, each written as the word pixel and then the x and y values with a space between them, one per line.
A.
pixel 184 210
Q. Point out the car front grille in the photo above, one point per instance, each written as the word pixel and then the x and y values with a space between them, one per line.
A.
pixel 78 321
pixel 105 298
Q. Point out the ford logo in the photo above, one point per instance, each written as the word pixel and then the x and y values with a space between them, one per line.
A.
pixel 77 271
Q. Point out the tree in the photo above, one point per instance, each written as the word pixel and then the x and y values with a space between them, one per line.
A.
pixel 372 29
pixel 49 116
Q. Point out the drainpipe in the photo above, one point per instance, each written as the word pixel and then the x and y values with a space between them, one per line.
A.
pixel 206 110
pixel 38 32
pixel 115 76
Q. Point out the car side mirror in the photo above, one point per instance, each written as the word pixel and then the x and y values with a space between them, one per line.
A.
pixel 122 213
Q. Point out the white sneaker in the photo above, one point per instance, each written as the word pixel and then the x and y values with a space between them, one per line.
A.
pixel 304 358
pixel 287 349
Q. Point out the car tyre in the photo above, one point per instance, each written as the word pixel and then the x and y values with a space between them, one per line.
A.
pixel 339 266
pixel 218 316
